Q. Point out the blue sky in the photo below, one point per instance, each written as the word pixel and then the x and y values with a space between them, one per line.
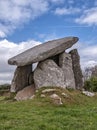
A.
pixel 26 23
pixel 27 20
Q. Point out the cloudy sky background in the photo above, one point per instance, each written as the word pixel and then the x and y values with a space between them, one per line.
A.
pixel 26 23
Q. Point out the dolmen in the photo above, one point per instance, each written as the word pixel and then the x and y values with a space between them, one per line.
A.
pixel 55 68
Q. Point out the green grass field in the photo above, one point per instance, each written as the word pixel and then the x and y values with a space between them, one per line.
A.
pixel 78 112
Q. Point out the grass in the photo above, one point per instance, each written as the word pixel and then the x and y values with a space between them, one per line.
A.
pixel 78 112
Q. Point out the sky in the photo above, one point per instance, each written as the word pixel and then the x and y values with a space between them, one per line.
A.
pixel 27 23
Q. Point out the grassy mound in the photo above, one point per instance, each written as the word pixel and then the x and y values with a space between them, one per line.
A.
pixel 78 112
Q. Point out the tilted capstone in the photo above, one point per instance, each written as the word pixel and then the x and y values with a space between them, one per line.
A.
pixel 43 51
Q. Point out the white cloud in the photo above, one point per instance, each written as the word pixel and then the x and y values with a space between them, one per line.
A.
pixel 7 50
pixel 15 12
pixel 2 34
pixel 88 17
pixel 66 11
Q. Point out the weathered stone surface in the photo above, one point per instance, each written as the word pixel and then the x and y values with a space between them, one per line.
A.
pixel 48 73
pixel 56 99
pixel 43 51
pixel 77 69
pixel 21 78
pixel 26 93
pixel 65 62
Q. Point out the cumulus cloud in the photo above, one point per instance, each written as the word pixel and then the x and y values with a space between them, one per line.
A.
pixel 66 11
pixel 88 17
pixel 88 55
pixel 16 12
pixel 7 50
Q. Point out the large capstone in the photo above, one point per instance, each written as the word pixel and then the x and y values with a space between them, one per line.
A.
pixel 48 73
pixel 65 62
pixel 21 78
pixel 43 51
pixel 77 69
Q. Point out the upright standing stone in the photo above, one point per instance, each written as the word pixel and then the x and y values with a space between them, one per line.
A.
pixel 65 62
pixel 77 69
pixel 48 73
pixel 21 78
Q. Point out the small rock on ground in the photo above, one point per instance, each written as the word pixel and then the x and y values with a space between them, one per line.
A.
pixel 48 90
pixel 42 95
pixel 65 95
pixel 87 93
pixel 56 99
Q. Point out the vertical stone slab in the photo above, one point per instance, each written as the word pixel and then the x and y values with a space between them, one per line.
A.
pixel 77 69
pixel 48 73
pixel 21 78
pixel 65 62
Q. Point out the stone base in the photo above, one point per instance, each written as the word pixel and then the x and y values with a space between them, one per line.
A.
pixel 65 62
pixel 21 78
